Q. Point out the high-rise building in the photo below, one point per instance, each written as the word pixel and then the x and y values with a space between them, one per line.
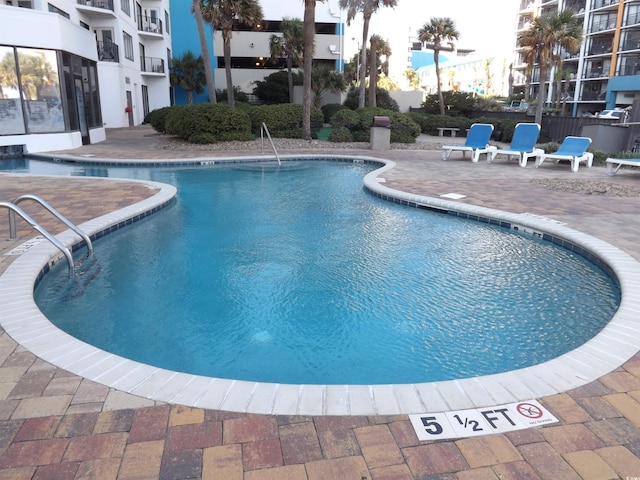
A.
pixel 250 52
pixel 605 73
pixel 71 68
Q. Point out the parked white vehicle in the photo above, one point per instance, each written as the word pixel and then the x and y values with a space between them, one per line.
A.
pixel 615 114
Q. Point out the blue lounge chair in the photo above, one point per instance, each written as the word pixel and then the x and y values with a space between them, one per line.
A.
pixel 477 142
pixel 522 145
pixel 573 149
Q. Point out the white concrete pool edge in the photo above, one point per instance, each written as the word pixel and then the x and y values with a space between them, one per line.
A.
pixel 615 344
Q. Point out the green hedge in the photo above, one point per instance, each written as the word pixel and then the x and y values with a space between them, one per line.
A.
pixel 157 118
pixel 358 123
pixel 208 123
pixel 284 120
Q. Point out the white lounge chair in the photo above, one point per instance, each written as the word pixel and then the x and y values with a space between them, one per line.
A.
pixel 523 143
pixel 614 164
pixel 477 143
pixel 573 149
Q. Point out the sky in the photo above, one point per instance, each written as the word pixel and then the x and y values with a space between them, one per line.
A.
pixel 487 27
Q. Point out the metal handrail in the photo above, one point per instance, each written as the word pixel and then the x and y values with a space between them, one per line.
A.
pixel 265 129
pixel 54 212
pixel 36 226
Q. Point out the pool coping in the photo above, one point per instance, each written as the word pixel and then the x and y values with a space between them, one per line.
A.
pixel 609 349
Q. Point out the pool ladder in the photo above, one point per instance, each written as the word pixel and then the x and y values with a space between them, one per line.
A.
pixel 264 130
pixel 15 209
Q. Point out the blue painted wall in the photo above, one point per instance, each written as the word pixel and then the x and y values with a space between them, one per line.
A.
pixel 628 83
pixel 184 33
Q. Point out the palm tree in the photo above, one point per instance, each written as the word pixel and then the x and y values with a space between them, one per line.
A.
pixel 542 41
pixel 307 52
pixel 288 45
pixel 367 8
pixel 568 37
pixel 223 15
pixel 373 69
pixel 325 78
pixel 187 72
pixel 196 9
pixel 432 35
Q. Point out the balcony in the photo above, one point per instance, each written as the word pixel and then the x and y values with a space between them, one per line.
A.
pixel 577 6
pixel 152 65
pixel 108 52
pixel 597 4
pixel 150 25
pixel 629 69
pixel 631 44
pixel 527 4
pixel 603 25
pixel 601 47
pixel 97 8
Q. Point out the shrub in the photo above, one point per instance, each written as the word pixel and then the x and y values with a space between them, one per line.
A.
pixel 346 118
pixel 340 134
pixel 330 109
pixel 456 103
pixel 238 95
pixel 284 120
pixel 359 122
pixel 383 100
pixel 157 118
pixel 274 88
pixel 202 138
pixel 220 121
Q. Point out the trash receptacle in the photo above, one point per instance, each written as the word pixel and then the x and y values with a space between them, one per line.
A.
pixel 381 133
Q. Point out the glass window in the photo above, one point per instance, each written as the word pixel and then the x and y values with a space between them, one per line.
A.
pixel 54 9
pixel 128 46
pixel 125 6
pixel 166 22
pixel 41 90
pixel 11 122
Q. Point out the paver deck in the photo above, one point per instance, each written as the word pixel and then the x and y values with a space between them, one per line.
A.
pixel 56 425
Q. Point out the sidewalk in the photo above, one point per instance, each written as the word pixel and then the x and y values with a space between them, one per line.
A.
pixel 56 425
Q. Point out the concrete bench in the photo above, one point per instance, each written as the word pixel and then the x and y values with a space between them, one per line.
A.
pixel 452 131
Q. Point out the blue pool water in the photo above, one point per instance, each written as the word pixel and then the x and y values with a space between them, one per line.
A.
pixel 300 276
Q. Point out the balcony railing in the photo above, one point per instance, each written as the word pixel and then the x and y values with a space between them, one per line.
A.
pixel 106 4
pixel 597 72
pixel 108 52
pixel 590 96
pixel 629 69
pixel 603 3
pixel 150 24
pixel 598 48
pixel 631 44
pixel 152 65
pixel 602 25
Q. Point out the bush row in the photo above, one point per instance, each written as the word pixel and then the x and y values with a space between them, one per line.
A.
pixel 211 123
pixel 355 125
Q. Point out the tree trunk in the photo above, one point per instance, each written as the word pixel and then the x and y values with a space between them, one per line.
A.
pixel 204 46
pixel 373 72
pixel 226 45
pixel 309 38
pixel 436 60
pixel 542 94
pixel 362 74
pixel 290 77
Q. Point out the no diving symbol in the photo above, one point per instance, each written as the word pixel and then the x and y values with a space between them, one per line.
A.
pixel 528 410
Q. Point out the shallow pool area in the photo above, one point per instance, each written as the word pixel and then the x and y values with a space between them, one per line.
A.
pixel 608 348
pixel 299 276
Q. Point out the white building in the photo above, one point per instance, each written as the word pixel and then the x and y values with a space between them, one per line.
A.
pixel 69 69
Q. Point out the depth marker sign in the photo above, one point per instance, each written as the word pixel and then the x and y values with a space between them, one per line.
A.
pixel 481 421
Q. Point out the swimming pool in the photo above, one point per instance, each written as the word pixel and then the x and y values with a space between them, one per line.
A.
pixel 379 396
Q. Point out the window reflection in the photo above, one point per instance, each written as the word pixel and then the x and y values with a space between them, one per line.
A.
pixel 11 122
pixel 41 90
